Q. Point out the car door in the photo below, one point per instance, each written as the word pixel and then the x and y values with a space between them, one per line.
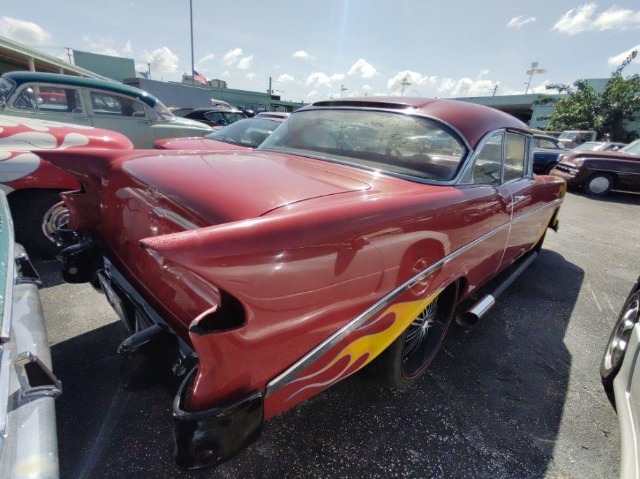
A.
pixel 121 113
pixel 518 188
pixel 491 217
pixel 50 102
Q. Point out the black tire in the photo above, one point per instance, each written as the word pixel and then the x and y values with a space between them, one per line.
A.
pixel 599 184
pixel 29 209
pixel 617 345
pixel 409 356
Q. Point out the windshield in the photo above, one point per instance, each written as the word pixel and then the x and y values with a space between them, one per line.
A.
pixel 162 111
pixel 632 148
pixel 248 132
pixel 404 145
pixel 5 88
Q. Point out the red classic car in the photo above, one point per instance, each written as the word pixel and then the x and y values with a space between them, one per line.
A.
pixel 242 135
pixel 347 239
pixel 33 185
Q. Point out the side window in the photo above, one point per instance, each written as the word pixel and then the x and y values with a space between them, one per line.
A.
pixel 216 117
pixel 488 164
pixel 515 156
pixel 49 98
pixel 26 100
pixel 114 105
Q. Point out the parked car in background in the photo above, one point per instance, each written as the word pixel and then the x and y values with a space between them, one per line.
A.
pixel 345 238
pixel 547 150
pixel 85 101
pixel 573 138
pixel 273 114
pixel 242 135
pixel 32 184
pixel 620 373
pixel 600 146
pixel 215 117
pixel 28 387
pixel 599 172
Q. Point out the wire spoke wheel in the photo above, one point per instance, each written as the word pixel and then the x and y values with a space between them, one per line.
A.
pixel 422 340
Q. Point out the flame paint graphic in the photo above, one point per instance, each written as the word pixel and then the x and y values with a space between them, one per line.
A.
pixel 352 353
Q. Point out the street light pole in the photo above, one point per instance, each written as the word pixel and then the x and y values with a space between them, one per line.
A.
pixel 534 71
pixel 193 80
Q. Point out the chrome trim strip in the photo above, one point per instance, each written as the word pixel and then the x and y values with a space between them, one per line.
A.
pixel 292 373
pixel 7 238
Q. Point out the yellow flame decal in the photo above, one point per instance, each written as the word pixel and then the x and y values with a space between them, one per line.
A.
pixel 374 344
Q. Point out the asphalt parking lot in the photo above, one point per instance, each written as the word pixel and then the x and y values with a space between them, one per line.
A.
pixel 517 395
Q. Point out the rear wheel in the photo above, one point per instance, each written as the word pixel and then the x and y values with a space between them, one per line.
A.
pixel 36 215
pixel 617 345
pixel 599 184
pixel 408 357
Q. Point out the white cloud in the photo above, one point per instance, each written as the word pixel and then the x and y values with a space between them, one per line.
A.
pixel 362 68
pixel 319 79
pixel 208 57
pixel 162 60
pixel 251 76
pixel 285 78
pixel 366 87
pixel 22 31
pixel 469 87
pixel 582 19
pixel 301 54
pixel 312 94
pixel 245 62
pixel 412 77
pixel 616 60
pixel 127 51
pixel 105 46
pixel 519 21
pixel 231 57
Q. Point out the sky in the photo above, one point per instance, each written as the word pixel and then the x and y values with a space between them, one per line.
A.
pixel 319 49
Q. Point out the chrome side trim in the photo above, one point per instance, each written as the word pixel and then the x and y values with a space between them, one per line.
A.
pixel 292 373
pixel 7 258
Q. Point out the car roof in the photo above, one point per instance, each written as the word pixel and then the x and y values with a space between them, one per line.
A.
pixel 471 120
pixel 21 77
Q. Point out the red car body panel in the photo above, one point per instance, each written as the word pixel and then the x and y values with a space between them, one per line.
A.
pixel 197 143
pixel 22 169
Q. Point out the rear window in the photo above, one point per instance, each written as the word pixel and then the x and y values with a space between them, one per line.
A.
pixel 409 146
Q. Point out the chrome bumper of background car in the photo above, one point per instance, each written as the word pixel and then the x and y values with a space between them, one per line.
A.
pixel 28 387
pixel 207 438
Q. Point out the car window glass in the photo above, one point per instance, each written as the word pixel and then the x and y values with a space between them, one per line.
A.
pixel 515 155
pixel 488 163
pixel 26 100
pixel 114 105
pixel 406 145
pixel 544 143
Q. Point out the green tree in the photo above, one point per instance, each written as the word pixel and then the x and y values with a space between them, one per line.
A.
pixel 608 112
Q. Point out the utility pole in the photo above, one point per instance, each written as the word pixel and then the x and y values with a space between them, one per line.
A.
pixel 405 83
pixel 193 66
pixel 495 90
pixel 69 54
pixel 534 71
pixel 342 90
pixel 149 71
pixel 270 90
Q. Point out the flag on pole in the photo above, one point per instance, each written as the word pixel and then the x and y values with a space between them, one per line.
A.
pixel 199 77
